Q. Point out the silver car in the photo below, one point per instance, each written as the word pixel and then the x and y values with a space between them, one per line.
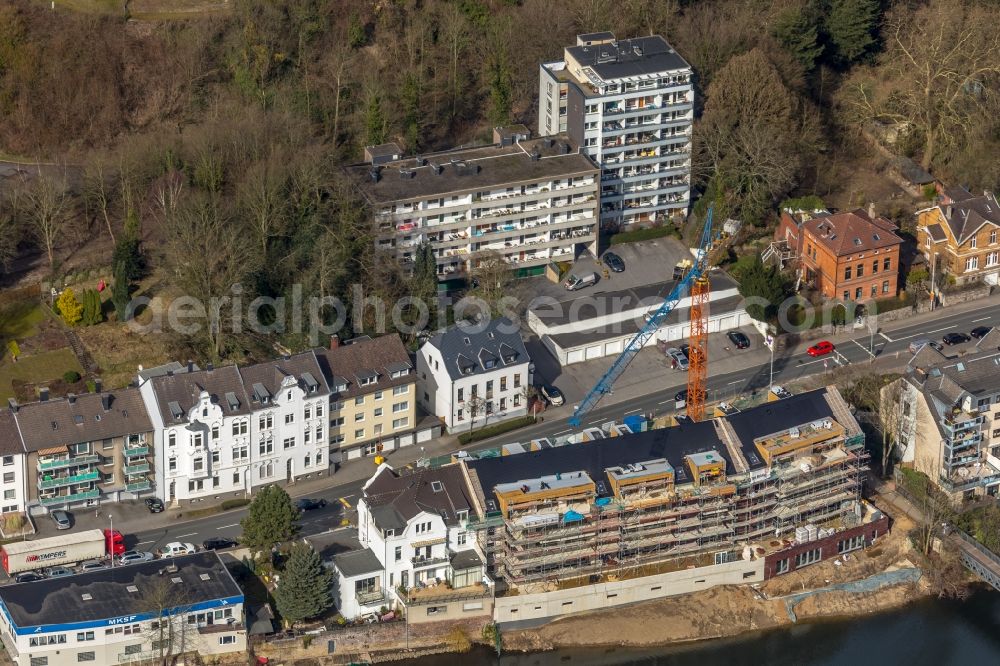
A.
pixel 135 556
pixel 61 519
pixel 677 358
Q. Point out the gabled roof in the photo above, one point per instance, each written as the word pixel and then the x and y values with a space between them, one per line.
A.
pixel 180 391
pixel 264 380
pixel 10 438
pixel 394 498
pixel 965 217
pixel 852 231
pixel 936 233
pixel 89 417
pixel 471 349
pixel 349 363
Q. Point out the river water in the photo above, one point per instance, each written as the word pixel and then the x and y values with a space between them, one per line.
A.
pixel 931 631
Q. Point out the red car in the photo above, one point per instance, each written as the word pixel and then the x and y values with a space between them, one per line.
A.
pixel 820 348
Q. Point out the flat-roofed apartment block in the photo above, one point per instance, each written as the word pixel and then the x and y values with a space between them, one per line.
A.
pixel 82 449
pixel 742 487
pixel 529 200
pixel 629 103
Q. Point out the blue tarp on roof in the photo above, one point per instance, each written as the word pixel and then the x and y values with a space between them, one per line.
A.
pixel 602 501
pixel 571 516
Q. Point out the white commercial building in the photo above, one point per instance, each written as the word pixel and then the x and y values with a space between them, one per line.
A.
pixel 629 104
pixel 471 375
pixel 140 613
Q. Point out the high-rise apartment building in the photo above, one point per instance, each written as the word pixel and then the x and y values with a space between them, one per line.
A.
pixel 629 104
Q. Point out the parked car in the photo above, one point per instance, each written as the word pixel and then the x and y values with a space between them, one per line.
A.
pixel 686 350
pixel 93 565
pixel 677 358
pixel 936 345
pixel 175 548
pixel 28 577
pixel 955 338
pixel 980 331
pixel 58 572
pixel 62 519
pixel 219 543
pixel 681 396
pixel 135 556
pixel 821 348
pixel 307 504
pixel 781 392
pixel 739 339
pixel 553 395
pixel 614 262
pixel 154 504
pixel 575 282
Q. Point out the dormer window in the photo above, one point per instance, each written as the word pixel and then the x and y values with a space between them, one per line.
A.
pixel 368 381
pixel 489 364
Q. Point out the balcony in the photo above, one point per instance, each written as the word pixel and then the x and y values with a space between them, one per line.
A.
pixel 94 493
pixel 146 484
pixel 372 598
pixel 59 463
pixel 421 561
pixel 141 468
pixel 136 451
pixel 68 480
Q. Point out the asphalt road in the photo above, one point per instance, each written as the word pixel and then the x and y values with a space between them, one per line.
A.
pixel 788 365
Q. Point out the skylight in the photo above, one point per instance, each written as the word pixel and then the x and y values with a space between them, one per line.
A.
pixel 436 486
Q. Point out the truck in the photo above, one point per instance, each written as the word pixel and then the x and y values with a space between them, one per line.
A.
pixel 64 549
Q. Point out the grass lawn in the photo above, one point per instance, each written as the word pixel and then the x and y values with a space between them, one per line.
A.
pixel 145 9
pixel 119 351
pixel 43 367
pixel 20 320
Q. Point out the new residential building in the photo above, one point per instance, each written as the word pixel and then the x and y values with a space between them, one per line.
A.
pixel 530 201
pixel 949 427
pixel 373 395
pixel 82 449
pixel 471 375
pixel 962 235
pixel 141 613
pixel 629 103
pixel 13 480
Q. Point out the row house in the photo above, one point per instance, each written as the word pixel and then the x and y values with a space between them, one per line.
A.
pixel 229 430
pixel 949 425
pixel 82 449
pixel 960 235
pixel 527 201
pixel 415 550
pixel 630 104
pixel 373 404
pixel 474 374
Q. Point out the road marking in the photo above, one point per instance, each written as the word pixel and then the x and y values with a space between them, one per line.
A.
pixel 143 543
pixel 181 536
pixel 887 338
pixel 738 381
pixel 976 321
pixel 343 500
pixel 561 432
pixel 666 402
pixel 819 360
pixel 222 527
pixel 862 346
pixel 907 337
pixel 632 411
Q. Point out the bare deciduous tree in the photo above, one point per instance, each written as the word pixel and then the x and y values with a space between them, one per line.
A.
pixel 45 207
pixel 890 416
pixel 170 603
pixel 493 280
pixel 99 188
pixel 260 197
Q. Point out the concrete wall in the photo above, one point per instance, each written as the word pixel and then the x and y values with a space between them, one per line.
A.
pixel 548 605
pixel 450 609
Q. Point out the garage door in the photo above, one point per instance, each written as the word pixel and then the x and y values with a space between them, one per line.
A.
pixel 686 332
pixel 594 352
pixel 574 356
pixel 613 348
pixel 726 323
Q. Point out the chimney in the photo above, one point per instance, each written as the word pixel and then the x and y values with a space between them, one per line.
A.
pixel 871 210
pixel 210 366
pixel 71 397
pixel 12 405
pixel 98 385
pixel 947 211
pixel 334 341
pixel 106 402
pixel 43 394
pixel 190 365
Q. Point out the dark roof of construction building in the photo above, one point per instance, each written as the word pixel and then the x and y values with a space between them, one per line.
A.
pixel 357 563
pixel 366 359
pixel 123 590
pixel 394 497
pixel 179 392
pixel 852 231
pixel 967 216
pixel 629 57
pixel 595 457
pixel 469 349
pixel 82 418
pixel 265 379
pixel 472 169
pixel 10 438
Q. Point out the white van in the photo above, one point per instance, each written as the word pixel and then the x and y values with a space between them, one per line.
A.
pixel 575 282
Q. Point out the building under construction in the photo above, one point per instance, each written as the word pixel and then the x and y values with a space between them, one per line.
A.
pixel 627 503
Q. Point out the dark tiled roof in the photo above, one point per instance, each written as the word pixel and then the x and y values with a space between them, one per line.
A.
pixel 955 193
pixel 909 170
pixel 303 367
pixel 90 417
pixel 629 57
pixel 966 217
pixel 395 498
pixel 466 348
pixel 357 563
pixel 597 456
pixel 936 233
pixel 852 231
pixel 185 387
pixel 10 438
pixel 203 577
pixel 380 356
